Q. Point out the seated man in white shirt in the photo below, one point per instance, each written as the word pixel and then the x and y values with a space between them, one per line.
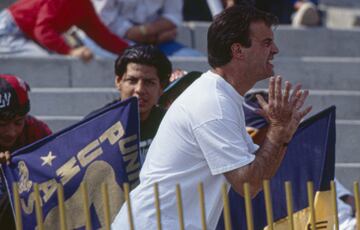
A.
pixel 143 21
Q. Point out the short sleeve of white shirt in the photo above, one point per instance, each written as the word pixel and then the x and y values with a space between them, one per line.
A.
pixel 224 145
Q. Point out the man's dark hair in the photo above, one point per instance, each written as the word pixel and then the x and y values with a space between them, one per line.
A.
pixel 233 26
pixel 145 55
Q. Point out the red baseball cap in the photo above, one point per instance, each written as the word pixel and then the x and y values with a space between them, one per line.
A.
pixel 14 96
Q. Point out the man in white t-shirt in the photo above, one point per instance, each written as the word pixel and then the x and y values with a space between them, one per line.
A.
pixel 202 137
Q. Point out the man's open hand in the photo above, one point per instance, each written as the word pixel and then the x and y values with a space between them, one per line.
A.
pixel 283 111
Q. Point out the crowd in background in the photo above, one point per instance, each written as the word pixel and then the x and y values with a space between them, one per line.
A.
pixel 104 28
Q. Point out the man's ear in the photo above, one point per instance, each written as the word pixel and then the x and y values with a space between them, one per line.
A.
pixel 118 81
pixel 237 51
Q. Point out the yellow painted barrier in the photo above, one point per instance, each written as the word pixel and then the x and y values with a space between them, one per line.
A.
pixel 62 216
pixel 202 206
pixel 289 204
pixel 248 207
pixel 18 222
pixel 105 196
pixel 157 206
pixel 180 207
pixel 227 218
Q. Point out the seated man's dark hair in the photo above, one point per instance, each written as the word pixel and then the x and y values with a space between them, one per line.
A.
pixel 146 55
pixel 233 26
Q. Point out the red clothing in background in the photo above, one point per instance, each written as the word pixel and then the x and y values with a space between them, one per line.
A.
pixel 34 130
pixel 44 21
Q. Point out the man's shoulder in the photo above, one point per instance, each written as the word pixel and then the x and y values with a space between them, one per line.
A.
pixel 152 123
pixel 34 130
pixel 35 125
pixel 158 112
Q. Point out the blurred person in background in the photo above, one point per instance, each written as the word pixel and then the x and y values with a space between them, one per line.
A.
pixel 35 28
pixel 17 129
pixel 143 22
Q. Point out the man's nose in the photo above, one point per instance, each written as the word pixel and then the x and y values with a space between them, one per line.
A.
pixel 275 49
pixel 139 88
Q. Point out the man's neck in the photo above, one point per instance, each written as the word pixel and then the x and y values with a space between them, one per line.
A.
pixel 235 77
pixel 144 116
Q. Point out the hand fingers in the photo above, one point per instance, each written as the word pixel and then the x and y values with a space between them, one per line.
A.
pixel 88 55
pixel 286 93
pixel 295 95
pixel 301 100
pixel 260 112
pixel 271 90
pixel 278 89
pixel 261 100
pixel 305 111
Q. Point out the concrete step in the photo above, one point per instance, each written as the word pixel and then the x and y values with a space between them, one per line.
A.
pixel 57 123
pixel 347 141
pixel 313 72
pixel 80 101
pixel 297 42
pixel 69 101
pixel 5 3
pixel 319 72
pixel 347 173
pixel 60 71
pixel 346 102
pixel 340 3
pixel 342 17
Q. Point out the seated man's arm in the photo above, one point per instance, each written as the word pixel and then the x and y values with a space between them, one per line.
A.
pixel 284 114
pixel 154 32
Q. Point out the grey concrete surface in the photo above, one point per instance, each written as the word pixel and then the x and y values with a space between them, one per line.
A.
pixel 331 73
pixel 347 174
pixel 347 141
pixel 5 3
pixel 302 41
pixel 69 102
pixel 340 3
pixel 80 101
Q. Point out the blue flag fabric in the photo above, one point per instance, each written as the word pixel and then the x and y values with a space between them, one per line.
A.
pixel 310 157
pixel 101 148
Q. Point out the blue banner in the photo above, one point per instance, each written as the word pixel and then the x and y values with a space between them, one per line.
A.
pixel 310 157
pixel 101 148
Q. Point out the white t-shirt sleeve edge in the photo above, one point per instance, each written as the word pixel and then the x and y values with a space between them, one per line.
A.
pixel 233 166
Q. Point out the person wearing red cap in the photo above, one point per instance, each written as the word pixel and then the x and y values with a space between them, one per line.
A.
pixel 35 27
pixel 17 129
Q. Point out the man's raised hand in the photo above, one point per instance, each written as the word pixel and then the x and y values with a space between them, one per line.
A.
pixel 284 111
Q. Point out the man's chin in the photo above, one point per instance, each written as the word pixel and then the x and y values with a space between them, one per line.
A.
pixel 7 145
pixel 266 76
